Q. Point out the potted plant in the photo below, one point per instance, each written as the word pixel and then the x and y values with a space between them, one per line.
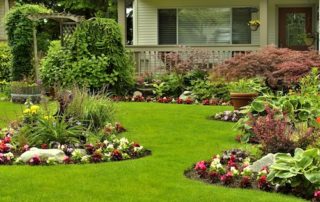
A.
pixel 243 92
pixel 254 25
pixel 21 91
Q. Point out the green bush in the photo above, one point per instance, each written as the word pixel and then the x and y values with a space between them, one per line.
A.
pixel 5 62
pixel 55 69
pixel 20 38
pixel 94 58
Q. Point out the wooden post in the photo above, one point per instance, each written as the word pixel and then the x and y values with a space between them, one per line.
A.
pixel 122 19
pixel 264 23
pixel 35 50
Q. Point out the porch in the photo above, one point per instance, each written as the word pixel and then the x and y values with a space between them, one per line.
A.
pixel 153 53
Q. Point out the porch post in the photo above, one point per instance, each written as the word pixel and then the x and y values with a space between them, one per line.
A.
pixel 264 23
pixel 318 27
pixel 122 19
pixel 6 10
pixel 6 6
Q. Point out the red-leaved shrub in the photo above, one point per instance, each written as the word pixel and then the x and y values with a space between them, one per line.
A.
pixel 281 67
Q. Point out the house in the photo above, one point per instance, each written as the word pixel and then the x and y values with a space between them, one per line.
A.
pixel 4 8
pixel 217 25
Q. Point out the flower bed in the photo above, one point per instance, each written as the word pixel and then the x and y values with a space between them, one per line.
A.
pixel 231 116
pixel 233 169
pixel 111 149
pixel 170 100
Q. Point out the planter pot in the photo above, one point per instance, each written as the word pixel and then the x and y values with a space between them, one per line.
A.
pixel 309 41
pixel 254 27
pixel 21 94
pixel 146 91
pixel 239 100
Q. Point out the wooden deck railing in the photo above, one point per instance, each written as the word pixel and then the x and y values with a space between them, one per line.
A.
pixel 160 59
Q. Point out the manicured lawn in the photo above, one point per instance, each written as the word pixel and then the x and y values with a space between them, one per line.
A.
pixel 178 136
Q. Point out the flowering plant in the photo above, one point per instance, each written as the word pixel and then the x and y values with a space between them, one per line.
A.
pixel 254 23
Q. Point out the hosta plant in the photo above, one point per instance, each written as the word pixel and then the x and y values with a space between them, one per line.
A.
pixel 300 171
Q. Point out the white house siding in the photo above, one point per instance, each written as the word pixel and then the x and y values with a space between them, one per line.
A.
pixel 146 23
pixel 2 13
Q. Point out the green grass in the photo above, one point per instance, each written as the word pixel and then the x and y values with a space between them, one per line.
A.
pixel 178 136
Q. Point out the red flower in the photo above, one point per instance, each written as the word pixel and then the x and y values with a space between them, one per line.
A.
pixel 245 182
pixel 96 157
pixel 318 120
pixel 7 139
pixel 227 178
pixel 179 101
pixel 206 102
pixel 136 144
pixel 188 101
pixel 35 160
pixel 44 146
pixel 67 160
pixel 116 155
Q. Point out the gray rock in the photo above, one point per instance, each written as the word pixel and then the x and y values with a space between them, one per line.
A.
pixel 137 94
pixel 44 154
pixel 267 160
pixel 185 95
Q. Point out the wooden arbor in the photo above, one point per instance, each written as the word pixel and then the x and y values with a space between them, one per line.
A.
pixel 67 24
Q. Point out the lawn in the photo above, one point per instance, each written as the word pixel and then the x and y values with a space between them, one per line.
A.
pixel 178 136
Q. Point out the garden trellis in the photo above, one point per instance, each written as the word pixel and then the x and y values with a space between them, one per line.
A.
pixel 67 24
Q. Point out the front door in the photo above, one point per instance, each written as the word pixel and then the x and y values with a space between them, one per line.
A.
pixel 294 25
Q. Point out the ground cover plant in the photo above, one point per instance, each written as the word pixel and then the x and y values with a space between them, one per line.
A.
pixel 161 174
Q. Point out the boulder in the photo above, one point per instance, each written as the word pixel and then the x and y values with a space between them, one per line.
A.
pixel 265 161
pixel 44 154
pixel 186 94
pixel 137 94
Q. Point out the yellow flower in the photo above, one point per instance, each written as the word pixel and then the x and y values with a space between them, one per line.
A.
pixel 26 111
pixel 48 118
pixel 34 108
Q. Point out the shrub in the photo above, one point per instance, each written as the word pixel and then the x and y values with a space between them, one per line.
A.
pixel 55 69
pixel 5 62
pixel 280 66
pixel 20 38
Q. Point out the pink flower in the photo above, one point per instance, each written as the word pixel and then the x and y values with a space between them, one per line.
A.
pixel 67 160
pixel 317 194
pixel 201 166
pixel 25 148
pixel 227 178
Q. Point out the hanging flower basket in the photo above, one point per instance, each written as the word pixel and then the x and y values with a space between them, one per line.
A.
pixel 254 25
pixel 309 39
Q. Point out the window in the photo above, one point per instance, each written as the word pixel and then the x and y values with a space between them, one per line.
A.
pixel 204 26
pixel 167 26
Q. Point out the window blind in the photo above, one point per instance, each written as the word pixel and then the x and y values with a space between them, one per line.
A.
pixel 241 33
pixel 167 20
pixel 204 26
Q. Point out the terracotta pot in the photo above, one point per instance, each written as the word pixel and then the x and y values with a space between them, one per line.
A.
pixel 239 100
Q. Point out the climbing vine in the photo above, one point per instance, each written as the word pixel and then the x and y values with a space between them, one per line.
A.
pixel 20 39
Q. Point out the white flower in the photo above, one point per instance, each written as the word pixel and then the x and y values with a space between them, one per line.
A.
pixel 234 171
pixel 106 142
pixel 124 141
pixel 9 155
pixel 85 159
pixel 52 160
pixel 77 153
pixel 110 147
pixel 138 149
pixel 19 161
